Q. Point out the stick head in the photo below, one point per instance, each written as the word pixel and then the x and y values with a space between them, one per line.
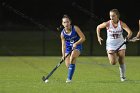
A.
pixel 43 78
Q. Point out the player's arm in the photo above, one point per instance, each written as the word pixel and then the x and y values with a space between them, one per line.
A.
pixel 138 34
pixel 98 30
pixel 137 37
pixel 63 45
pixel 81 35
pixel 127 29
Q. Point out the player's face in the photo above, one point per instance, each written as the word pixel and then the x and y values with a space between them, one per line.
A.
pixel 66 23
pixel 113 16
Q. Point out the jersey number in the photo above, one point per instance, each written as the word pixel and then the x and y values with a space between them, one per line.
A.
pixel 115 36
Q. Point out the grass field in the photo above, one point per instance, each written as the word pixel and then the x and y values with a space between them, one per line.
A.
pixel 92 75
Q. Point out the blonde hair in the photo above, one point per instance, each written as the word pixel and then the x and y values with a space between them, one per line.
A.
pixel 116 12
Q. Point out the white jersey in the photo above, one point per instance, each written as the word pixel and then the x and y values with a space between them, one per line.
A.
pixel 114 37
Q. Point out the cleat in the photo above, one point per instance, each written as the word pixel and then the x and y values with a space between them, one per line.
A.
pixel 123 79
pixel 68 81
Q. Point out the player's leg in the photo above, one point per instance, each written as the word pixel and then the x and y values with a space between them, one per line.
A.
pixel 112 57
pixel 75 53
pixel 67 61
pixel 122 67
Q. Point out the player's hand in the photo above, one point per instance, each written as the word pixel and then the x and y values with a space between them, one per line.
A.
pixel 126 39
pixel 63 58
pixel 100 40
pixel 74 46
pixel 134 39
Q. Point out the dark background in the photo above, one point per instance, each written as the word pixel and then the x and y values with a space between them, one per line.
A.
pixel 28 27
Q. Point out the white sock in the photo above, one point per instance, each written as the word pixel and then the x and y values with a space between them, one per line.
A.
pixel 122 69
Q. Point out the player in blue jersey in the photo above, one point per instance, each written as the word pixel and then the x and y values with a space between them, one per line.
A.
pixel 71 38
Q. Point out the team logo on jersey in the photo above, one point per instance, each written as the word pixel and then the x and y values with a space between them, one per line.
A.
pixel 71 42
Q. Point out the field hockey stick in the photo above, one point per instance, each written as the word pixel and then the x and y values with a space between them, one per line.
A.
pixel 47 77
pixel 126 41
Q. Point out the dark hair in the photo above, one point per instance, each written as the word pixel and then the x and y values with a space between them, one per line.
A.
pixel 116 12
pixel 61 26
pixel 66 16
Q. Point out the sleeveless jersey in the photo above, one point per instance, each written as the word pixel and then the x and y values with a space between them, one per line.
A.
pixel 114 36
pixel 70 39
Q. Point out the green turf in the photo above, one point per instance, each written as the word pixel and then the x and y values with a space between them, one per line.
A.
pixel 92 75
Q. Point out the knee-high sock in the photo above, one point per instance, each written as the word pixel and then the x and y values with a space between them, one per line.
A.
pixel 122 69
pixel 71 71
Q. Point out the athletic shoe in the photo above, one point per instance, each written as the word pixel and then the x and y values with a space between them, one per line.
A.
pixel 68 81
pixel 123 79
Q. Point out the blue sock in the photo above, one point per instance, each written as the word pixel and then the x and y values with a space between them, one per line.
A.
pixel 71 71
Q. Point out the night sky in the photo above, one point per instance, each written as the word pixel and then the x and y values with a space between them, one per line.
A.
pixel 51 11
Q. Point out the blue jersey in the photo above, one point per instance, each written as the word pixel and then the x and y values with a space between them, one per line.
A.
pixel 70 39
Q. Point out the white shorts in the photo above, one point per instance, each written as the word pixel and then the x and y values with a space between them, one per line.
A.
pixel 114 45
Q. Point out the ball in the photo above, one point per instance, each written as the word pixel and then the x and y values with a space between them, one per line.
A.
pixel 46 81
